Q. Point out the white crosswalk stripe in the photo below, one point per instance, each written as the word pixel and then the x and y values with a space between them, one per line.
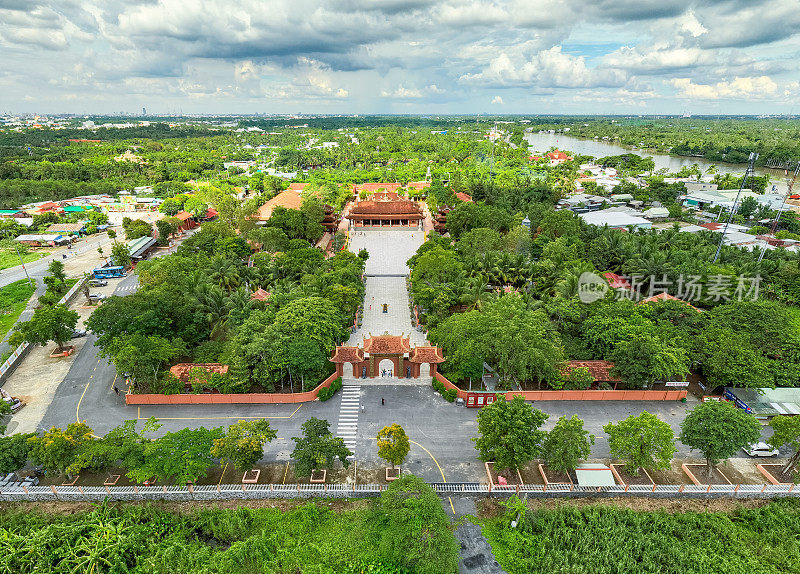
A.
pixel 348 416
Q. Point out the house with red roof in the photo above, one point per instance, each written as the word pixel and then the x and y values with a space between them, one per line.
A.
pixel 558 157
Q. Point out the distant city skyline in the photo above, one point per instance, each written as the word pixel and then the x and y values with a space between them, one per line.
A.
pixel 400 56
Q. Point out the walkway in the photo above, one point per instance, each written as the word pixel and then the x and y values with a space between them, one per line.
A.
pixel 348 416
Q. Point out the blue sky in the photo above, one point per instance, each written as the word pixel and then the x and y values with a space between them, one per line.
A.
pixel 400 56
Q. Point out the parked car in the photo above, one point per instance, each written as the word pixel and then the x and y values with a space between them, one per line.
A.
pixel 78 333
pixel 761 450
pixel 96 297
pixel 97 282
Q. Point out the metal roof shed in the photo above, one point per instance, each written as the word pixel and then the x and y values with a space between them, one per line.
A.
pixel 765 402
pixel 594 475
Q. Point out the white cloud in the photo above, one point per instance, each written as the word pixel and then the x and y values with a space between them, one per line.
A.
pixel 755 88
pixel 547 69
pixel 497 100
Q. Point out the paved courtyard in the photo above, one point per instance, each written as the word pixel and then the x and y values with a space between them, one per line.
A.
pixel 388 249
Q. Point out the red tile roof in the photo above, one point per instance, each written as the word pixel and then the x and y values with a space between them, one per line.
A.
pixel 426 355
pixel 600 370
pixel 347 355
pixel 288 198
pixel 260 295
pixel 183 215
pixel 383 344
pixel 666 297
pixel 558 154
pixel 616 281
pixel 182 370
pixel 407 208
pixel 297 186
pixel 464 197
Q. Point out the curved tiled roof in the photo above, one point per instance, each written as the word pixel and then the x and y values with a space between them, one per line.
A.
pixel 600 370
pixel 398 207
pixel 426 355
pixel 387 344
pixel 347 355
pixel 182 370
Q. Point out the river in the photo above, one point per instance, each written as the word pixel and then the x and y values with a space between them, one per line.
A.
pixel 598 148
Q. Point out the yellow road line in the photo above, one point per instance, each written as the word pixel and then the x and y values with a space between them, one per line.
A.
pixel 437 466
pixel 285 472
pixel 221 418
pixel 114 381
pixel 78 408
pixel 223 474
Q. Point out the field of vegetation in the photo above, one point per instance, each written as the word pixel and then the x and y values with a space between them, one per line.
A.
pixel 404 531
pixel 604 539
pixel 13 299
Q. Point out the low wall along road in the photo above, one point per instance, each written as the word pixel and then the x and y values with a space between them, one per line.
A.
pixel 671 395
pixel 227 399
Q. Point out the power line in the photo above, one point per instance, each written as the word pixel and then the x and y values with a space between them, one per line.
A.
pixel 749 172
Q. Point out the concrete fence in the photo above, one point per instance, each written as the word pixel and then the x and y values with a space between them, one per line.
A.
pixel 590 395
pixel 228 398
pixel 261 491
pixel 19 353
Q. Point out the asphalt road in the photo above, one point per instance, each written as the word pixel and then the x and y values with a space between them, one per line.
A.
pixel 38 269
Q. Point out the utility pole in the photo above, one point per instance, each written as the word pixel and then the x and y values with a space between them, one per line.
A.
pixel 774 225
pixel 21 262
pixel 749 172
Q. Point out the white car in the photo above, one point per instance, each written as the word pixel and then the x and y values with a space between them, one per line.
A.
pixel 760 449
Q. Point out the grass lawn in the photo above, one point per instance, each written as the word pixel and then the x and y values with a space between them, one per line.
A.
pixel 13 299
pixel 681 537
pixel 9 257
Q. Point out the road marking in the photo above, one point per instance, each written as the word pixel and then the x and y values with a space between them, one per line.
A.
pixel 139 415
pixel 437 466
pixel 347 424
pixel 285 472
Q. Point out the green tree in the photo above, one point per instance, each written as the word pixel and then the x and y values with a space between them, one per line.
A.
pixel 642 441
pixel 414 530
pixel 121 254
pixel 270 239
pixel 57 449
pixel 317 448
pixel 567 444
pixel 54 323
pixel 510 433
pixel 393 445
pixel 140 355
pixel 314 318
pixel 14 451
pixel 243 443
pixel 718 430
pixel 786 433
pixel 183 456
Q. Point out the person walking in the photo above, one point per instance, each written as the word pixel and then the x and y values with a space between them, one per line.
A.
pixel 116 390
pixel 382 401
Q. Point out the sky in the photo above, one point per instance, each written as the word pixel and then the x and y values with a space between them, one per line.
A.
pixel 400 56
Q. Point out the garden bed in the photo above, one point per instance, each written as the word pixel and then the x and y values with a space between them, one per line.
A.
pixel 624 477
pixel 774 473
pixel 513 477
pixel 552 477
pixel 530 474
pixel 698 474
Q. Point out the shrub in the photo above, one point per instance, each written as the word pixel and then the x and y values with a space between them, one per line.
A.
pixel 449 394
pixel 327 392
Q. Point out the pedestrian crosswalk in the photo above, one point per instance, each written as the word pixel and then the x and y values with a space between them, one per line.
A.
pixel 348 416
